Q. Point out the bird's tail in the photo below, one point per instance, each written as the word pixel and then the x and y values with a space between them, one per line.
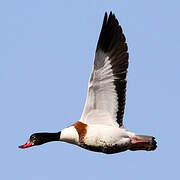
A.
pixel 143 142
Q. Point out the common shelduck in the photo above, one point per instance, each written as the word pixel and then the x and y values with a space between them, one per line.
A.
pixel 100 127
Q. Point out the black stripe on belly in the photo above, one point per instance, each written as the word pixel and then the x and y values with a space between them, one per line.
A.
pixel 106 149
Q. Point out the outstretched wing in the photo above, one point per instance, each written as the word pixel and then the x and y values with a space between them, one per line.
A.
pixel 107 85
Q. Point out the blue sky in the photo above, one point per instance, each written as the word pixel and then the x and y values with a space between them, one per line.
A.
pixel 47 50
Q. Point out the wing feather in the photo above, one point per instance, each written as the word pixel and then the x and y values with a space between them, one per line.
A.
pixel 107 85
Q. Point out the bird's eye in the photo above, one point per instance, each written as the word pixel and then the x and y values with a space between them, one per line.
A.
pixel 33 138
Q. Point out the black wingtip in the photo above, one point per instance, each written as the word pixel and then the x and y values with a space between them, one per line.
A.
pixel 105 19
pixel 110 32
pixel 111 15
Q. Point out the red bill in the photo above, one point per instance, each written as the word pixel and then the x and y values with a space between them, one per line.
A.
pixel 26 145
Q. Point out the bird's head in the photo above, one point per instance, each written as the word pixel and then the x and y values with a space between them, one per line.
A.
pixel 41 138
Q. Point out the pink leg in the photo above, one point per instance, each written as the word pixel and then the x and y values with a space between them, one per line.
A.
pixel 135 141
pixel 139 144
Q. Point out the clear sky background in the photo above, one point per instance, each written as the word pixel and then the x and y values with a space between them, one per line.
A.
pixel 46 55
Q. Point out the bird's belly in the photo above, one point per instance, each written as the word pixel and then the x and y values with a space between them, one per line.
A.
pixel 106 139
pixel 101 145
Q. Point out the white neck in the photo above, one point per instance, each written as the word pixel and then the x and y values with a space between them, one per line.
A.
pixel 70 135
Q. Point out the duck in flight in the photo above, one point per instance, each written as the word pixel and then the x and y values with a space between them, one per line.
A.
pixel 100 127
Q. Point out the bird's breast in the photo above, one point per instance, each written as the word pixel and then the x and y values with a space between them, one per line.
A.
pixel 70 135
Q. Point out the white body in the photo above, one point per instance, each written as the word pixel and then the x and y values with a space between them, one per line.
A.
pixel 98 135
pixel 102 135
